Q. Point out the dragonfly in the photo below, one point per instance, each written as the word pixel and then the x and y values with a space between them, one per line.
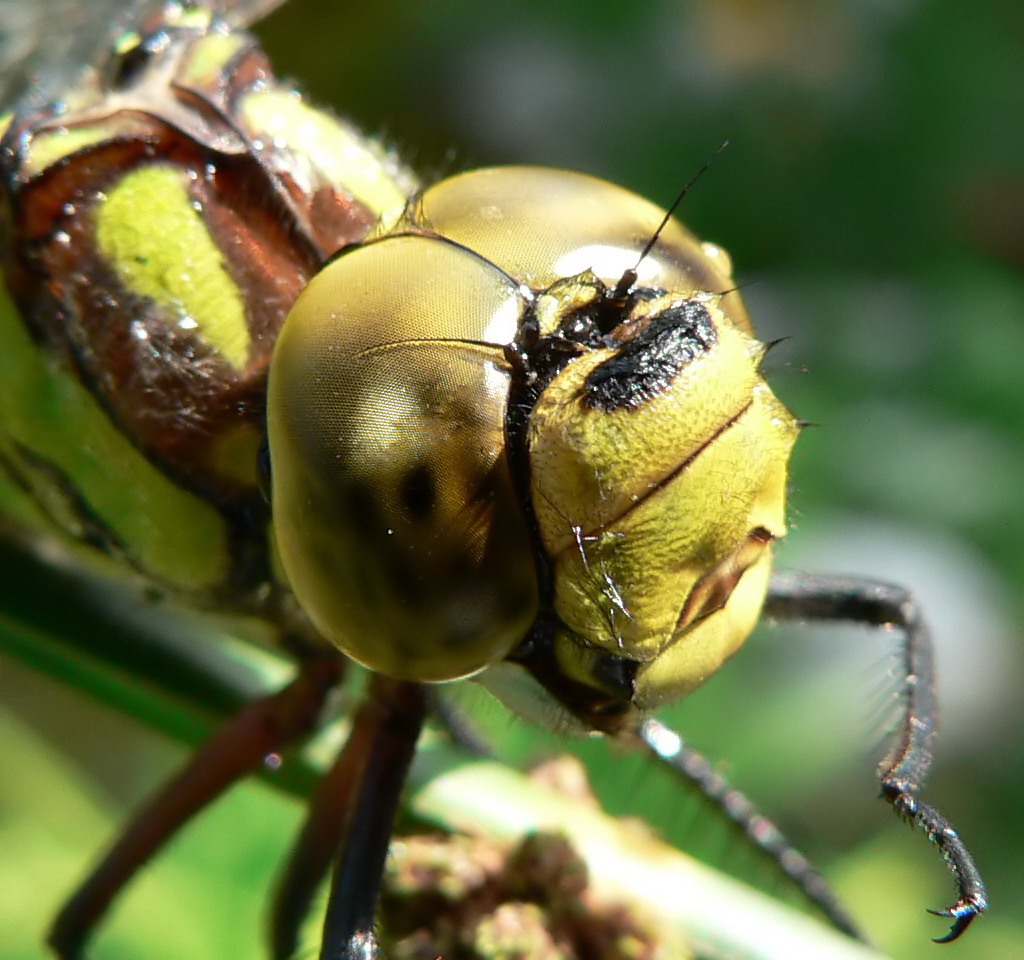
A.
pixel 535 449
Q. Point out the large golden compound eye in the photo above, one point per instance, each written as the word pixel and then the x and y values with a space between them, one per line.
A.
pixel 541 225
pixel 394 512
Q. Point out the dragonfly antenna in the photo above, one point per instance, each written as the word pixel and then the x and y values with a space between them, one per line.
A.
pixel 628 278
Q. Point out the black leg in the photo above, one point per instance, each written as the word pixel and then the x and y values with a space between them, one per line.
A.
pixel 376 758
pixel 669 748
pixel 813 597
pixel 264 727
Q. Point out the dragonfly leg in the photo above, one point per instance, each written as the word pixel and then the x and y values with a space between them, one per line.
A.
pixel 237 750
pixel 668 747
pixel 353 813
pixel 902 772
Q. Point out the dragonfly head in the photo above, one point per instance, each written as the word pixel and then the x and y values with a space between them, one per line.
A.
pixel 485 447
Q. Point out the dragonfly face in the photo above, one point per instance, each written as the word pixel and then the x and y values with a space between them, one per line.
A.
pixel 507 435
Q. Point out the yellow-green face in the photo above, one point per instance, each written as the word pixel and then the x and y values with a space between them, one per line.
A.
pixel 477 450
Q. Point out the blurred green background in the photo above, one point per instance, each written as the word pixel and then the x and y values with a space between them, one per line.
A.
pixel 872 199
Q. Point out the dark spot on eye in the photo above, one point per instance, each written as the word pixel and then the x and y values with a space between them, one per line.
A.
pixel 646 366
pixel 417 492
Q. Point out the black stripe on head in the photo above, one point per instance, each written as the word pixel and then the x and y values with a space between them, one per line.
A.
pixel 645 367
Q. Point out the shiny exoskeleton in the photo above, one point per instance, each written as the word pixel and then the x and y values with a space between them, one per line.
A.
pixel 514 428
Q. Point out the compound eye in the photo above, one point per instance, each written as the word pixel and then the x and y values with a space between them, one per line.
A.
pixel 540 225
pixel 394 512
